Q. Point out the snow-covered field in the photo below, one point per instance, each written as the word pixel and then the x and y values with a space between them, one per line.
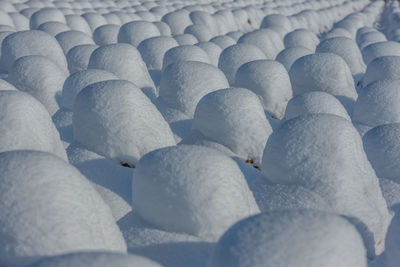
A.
pixel 187 133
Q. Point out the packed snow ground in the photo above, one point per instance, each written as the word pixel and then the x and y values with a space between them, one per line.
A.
pixel 185 133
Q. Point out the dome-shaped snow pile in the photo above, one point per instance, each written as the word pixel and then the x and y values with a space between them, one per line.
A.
pixel 177 20
pixel 70 39
pixel 183 84
pixel 136 31
pixel 106 34
pixel 46 15
pixel 302 238
pixel 125 61
pixel 381 68
pixel 301 38
pixel 266 40
pixel 154 49
pixel 50 208
pixel 369 38
pixel 223 41
pixel 115 119
pixel 200 31
pixel 235 56
pixel 6 86
pixel 382 145
pixel 186 39
pixel 315 102
pixel 40 77
pixel 378 103
pixel 78 57
pixel 324 154
pixel 53 27
pixel 325 72
pixel 270 81
pixel 96 259
pixel 277 20
pixel 213 51
pixel 26 124
pixel 191 189
pixel 288 56
pixel 380 49
pixel 185 53
pixel 26 43
pixel 234 117
pixel 347 49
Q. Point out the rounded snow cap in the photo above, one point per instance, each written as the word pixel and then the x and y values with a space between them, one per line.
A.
pixel 276 20
pixel 154 49
pixel 26 43
pixel 234 117
pixel 53 27
pixel 325 72
pixel 183 84
pixel 137 31
pixel 115 119
pixel 235 56
pixel 289 55
pixel 270 81
pixel 78 57
pixel 382 145
pixel 378 103
pixel 315 102
pixel 46 15
pixel 125 61
pixel 380 49
pixel 302 238
pixel 301 38
pixel 185 53
pixel 191 189
pixel 40 77
pixel 26 124
pixel 50 208
pixel 382 68
pixel 213 51
pixel 70 39
pixel 96 259
pixel 106 34
pixel 266 40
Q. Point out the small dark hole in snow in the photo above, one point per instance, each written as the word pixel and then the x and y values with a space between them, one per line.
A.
pixel 249 21
pixel 256 167
pixel 250 161
pixel 127 165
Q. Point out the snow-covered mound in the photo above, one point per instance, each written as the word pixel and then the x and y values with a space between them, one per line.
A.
pixel 380 49
pixel 191 189
pixel 49 208
pixel 382 68
pixel 78 57
pixel 137 31
pixel 115 119
pixel 266 40
pixel 301 38
pixel 303 238
pixel 185 53
pixel 288 56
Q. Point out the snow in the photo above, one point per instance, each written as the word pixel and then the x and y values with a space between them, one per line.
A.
pixel 380 49
pixel 45 15
pixel 70 39
pixel 288 56
pixel 289 238
pixel 266 40
pixel 301 37
pixel 50 209
pixel 191 189
pixel 136 31
pixel 382 68
pixel 106 34
pixel 184 53
pixel 115 119
pixel 78 57
pixel 213 51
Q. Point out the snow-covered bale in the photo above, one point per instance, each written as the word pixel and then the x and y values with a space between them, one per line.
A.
pixel 235 118
pixel 324 153
pixel 124 61
pixel 315 102
pixel 40 77
pixel 223 41
pixel 191 189
pixel 206 19
pixel 26 124
pixel 303 238
pixel 94 20
pixel 380 49
pixel 346 48
pixel 200 31
pixel 137 31
pixel 46 15
pixel 70 39
pixel 186 39
pixel 235 56
pixel 78 57
pixel 370 38
pixel 382 68
pixel 96 259
pixel 270 81
pixel 40 219
pixel 183 84
pixel 163 27
pixel 115 119
pixel 78 23
pixel 26 43
pixel 106 34
pixel 177 20
pixel 53 27
pixel 382 145
pixel 378 104
pixel 184 53
pixel 79 80
pixel 301 37
pixel 276 20
pixel 325 72
pixel 266 40
pixel 288 56
pixel 213 51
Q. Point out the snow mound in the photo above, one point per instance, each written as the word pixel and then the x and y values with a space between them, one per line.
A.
pixel 347 49
pixel 276 20
pixel 70 39
pixel 185 53
pixel 53 27
pixel 6 86
pixel 26 124
pixel 235 118
pixel 137 31
pixel 266 40
pixel 393 240
pixel 380 49
pixel 46 15
pixel 79 80
pixel 325 154
pixel 191 189
pixel 154 49
pixel 115 119
pixel 40 77
pixel 381 68
pixel 26 43
pixel 288 56
pixel 200 31
pixel 270 81
pixel 183 84
pixel 301 38
pixel 382 145
pixel 303 238
pixel 50 208
pixel 124 61
pixel 78 57
pixel 377 103
pixel 369 38
pixel 223 41
pixel 186 39
pixel 96 259
pixel 177 20
pixel 106 34
pixel 235 56
pixel 213 51
pixel 325 72
pixel 315 102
